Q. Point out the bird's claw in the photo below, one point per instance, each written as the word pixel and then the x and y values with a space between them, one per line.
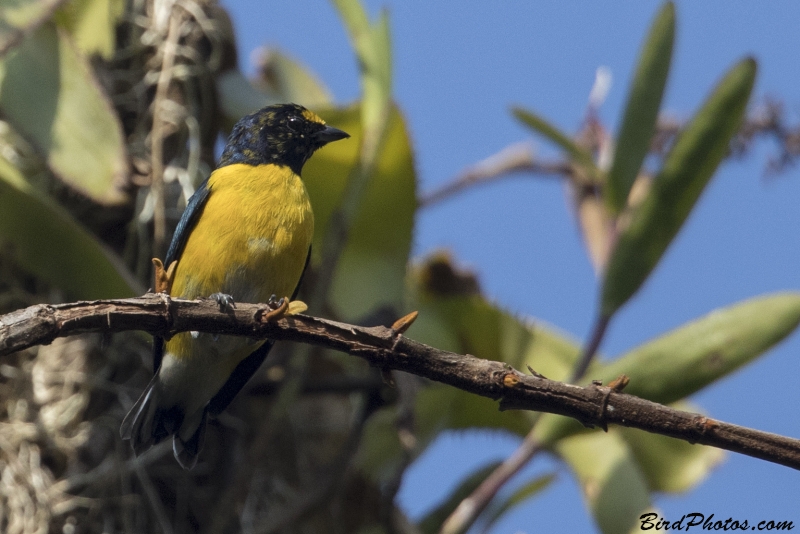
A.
pixel 274 302
pixel 224 300
pixel 278 308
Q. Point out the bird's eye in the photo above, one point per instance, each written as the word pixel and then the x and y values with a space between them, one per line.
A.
pixel 293 122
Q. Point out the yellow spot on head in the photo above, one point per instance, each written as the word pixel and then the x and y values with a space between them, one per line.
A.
pixel 311 116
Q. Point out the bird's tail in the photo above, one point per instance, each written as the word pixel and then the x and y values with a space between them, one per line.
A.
pixel 148 423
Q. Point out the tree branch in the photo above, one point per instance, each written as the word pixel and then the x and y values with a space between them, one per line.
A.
pixel 382 347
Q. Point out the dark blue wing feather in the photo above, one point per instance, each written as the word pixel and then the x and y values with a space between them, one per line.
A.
pixel 189 218
pixel 193 210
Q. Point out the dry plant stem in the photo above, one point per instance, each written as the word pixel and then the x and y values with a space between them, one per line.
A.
pixel 470 508
pixel 590 350
pixel 515 158
pixel 169 50
pixel 592 405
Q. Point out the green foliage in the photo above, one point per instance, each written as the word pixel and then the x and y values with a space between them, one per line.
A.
pixel 48 92
pixel 364 198
pixel 613 486
pixel 43 238
pixel 286 81
pixel 697 354
pixel 688 167
pixel 641 112
pixel 376 253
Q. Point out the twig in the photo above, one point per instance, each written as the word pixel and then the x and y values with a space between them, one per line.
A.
pixel 470 508
pixel 518 157
pixel 589 351
pixel 591 405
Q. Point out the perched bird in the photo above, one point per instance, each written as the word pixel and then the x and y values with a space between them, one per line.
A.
pixel 245 236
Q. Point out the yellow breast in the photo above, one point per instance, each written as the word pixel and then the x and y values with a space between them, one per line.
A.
pixel 250 241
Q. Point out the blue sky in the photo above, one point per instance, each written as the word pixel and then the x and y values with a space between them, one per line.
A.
pixel 459 66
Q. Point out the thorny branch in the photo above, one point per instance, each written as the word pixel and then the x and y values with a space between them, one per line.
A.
pixel 385 348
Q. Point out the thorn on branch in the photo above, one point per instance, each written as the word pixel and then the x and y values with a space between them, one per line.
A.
pixel 403 323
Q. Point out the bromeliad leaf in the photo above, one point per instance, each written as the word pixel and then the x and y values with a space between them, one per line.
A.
pixel 641 110
pixel 49 95
pixel 613 486
pixel 44 239
pixel 688 167
pixel 689 358
pixel 670 464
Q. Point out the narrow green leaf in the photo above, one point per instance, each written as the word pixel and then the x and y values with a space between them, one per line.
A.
pixel 684 361
pixel 689 166
pixel 689 358
pixel 497 510
pixel 543 127
pixel 612 484
pixel 641 110
pixel 49 94
pixel 670 464
pixel 372 45
pixel 433 520
pixel 46 240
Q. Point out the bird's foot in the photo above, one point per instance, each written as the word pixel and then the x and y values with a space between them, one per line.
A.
pixel 224 300
pixel 278 308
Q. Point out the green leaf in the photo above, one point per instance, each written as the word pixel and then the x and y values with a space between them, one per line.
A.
pixel 689 166
pixel 372 45
pixel 50 96
pixel 670 464
pixel 684 361
pixel 433 520
pixel 613 486
pixel 689 358
pixel 501 506
pixel 371 271
pixel 641 110
pixel 454 317
pixel 283 80
pixel 457 318
pixel 576 153
pixel 44 239
pixel 288 80
pixel 16 20
pixel 92 24
pixel 239 97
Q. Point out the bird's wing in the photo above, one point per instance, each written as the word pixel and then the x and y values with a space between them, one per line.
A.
pixel 247 367
pixel 188 220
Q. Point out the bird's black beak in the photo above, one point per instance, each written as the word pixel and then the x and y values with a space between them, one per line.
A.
pixel 329 135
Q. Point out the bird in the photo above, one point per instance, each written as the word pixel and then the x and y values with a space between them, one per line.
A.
pixel 245 236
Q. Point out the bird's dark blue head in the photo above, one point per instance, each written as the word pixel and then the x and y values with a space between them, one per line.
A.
pixel 283 134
